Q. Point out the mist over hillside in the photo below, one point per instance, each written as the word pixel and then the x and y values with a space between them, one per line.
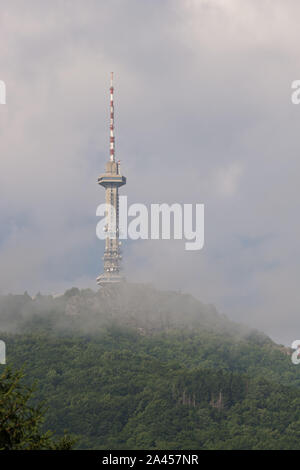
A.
pixel 137 306
pixel 133 367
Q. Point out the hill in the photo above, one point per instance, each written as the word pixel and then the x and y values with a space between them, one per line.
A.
pixel 145 369
pixel 132 305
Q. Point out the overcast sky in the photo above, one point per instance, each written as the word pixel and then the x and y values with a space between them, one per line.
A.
pixel 203 115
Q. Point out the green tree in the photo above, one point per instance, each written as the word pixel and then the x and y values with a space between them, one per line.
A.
pixel 20 422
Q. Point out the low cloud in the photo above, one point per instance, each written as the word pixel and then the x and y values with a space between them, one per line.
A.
pixel 203 115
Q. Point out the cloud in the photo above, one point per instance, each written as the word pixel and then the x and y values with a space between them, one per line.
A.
pixel 203 115
pixel 226 180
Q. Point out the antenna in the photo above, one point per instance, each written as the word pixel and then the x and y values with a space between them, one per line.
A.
pixel 112 180
pixel 112 120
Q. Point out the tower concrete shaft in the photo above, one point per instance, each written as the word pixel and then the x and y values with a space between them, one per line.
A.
pixel 111 180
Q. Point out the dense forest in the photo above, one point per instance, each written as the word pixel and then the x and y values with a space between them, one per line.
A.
pixel 135 368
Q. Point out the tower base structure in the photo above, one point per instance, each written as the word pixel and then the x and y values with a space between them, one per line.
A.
pixel 111 180
pixel 110 278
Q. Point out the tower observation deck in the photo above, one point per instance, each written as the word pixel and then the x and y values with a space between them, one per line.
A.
pixel 111 180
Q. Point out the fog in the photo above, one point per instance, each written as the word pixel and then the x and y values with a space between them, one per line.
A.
pixel 203 115
pixel 139 308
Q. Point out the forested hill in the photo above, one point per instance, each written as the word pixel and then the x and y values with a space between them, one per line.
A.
pixel 145 369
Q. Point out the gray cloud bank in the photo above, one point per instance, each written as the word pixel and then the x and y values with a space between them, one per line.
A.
pixel 203 115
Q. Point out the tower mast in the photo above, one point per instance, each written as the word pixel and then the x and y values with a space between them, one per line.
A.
pixel 111 180
pixel 112 119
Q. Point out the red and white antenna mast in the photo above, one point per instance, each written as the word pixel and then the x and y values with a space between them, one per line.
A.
pixel 112 119
pixel 112 180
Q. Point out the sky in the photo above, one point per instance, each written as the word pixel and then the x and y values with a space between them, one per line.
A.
pixel 203 115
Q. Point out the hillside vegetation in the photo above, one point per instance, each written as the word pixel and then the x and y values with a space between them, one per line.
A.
pixel 136 368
